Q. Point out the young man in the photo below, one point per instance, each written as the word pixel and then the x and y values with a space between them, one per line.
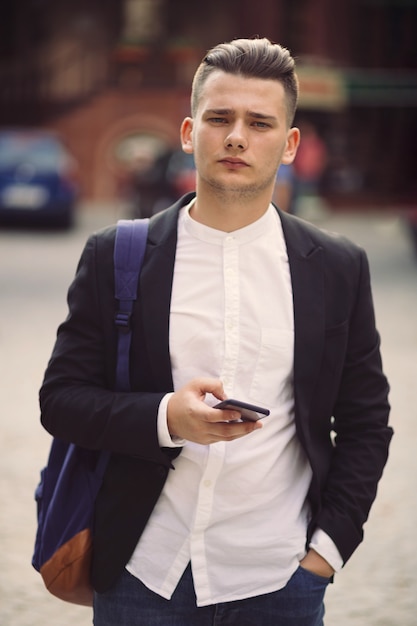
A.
pixel 203 518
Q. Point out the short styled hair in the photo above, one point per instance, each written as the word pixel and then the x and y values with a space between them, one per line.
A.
pixel 254 58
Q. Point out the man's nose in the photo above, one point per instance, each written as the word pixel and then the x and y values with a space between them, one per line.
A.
pixel 236 138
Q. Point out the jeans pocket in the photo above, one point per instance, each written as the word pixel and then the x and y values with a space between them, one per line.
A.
pixel 308 573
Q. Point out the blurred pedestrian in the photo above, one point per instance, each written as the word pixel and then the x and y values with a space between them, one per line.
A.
pixel 204 518
pixel 284 191
pixel 150 189
pixel 309 165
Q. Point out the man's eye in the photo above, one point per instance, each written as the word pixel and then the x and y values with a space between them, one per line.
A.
pixel 218 120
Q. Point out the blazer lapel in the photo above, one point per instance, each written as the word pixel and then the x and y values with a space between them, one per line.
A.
pixel 307 276
pixel 155 284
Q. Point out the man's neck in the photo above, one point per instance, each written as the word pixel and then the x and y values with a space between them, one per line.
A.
pixel 228 212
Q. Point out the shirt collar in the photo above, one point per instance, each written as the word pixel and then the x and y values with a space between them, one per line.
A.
pixel 243 235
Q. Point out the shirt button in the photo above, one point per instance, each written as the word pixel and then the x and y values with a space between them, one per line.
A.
pixel 207 483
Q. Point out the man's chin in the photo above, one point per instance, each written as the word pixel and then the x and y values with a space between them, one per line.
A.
pixel 238 191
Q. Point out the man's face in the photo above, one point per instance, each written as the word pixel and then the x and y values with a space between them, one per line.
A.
pixel 239 135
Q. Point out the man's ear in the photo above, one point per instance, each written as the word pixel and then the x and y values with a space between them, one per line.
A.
pixel 293 141
pixel 187 135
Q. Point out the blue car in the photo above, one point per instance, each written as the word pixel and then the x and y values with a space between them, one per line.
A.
pixel 37 179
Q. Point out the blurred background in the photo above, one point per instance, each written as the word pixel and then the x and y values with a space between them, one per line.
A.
pixel 92 94
pixel 112 79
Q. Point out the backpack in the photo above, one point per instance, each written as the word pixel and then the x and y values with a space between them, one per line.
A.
pixel 73 475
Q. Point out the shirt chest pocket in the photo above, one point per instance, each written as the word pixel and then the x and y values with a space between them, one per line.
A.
pixel 274 366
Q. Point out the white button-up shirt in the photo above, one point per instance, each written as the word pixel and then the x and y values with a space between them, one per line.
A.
pixel 236 509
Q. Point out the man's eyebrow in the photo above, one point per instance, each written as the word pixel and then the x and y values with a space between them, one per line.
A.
pixel 219 111
pixel 254 114
pixel 261 116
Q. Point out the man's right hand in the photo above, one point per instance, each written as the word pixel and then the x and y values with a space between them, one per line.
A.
pixel 190 418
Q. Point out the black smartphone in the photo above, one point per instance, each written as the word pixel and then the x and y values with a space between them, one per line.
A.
pixel 248 412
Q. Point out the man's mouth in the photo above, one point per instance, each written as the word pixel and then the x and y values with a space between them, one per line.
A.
pixel 234 162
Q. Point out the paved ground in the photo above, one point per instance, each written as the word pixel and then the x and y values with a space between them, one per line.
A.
pixel 378 587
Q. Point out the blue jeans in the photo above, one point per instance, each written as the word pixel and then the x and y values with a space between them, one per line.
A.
pixel 130 603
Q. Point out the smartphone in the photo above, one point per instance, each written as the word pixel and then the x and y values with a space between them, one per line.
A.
pixel 248 412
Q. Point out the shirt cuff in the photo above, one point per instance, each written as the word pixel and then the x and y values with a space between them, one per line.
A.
pixel 326 548
pixel 164 438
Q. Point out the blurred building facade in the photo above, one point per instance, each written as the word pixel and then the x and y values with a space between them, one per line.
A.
pixel 113 78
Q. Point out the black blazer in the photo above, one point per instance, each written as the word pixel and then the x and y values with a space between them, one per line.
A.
pixel 338 384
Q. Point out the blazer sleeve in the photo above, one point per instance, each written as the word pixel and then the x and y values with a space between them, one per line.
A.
pixel 360 425
pixel 77 398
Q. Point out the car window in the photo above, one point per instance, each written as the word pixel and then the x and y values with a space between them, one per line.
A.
pixel 44 153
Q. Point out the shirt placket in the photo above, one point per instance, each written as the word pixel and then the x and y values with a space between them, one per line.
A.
pixel 231 312
pixel 216 453
pixel 203 515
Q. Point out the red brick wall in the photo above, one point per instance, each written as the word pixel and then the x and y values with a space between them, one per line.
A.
pixel 92 130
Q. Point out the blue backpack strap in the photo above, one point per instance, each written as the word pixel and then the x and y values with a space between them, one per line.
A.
pixel 129 250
